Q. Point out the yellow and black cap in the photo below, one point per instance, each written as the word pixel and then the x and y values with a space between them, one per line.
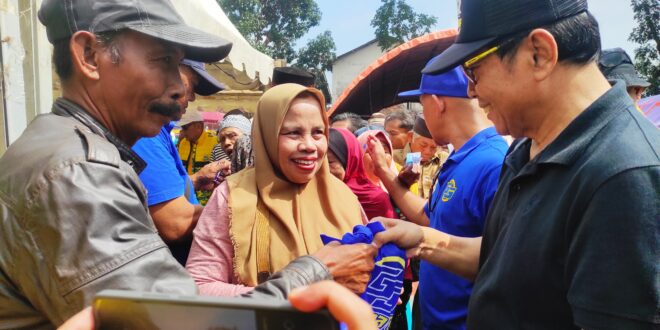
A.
pixel 481 22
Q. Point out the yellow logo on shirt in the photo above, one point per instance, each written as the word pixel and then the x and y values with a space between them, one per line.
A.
pixel 449 191
pixel 381 321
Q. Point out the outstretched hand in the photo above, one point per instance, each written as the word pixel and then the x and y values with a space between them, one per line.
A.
pixel 377 154
pixel 205 178
pixel 403 234
pixel 344 306
pixel 408 176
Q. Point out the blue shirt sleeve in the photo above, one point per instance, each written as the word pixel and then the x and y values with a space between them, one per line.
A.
pixel 161 177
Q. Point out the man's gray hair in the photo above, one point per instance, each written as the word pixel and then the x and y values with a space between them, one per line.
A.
pixel 406 117
pixel 107 40
pixel 356 122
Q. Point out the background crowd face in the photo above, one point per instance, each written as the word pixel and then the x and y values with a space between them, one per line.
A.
pixel 228 137
pixel 427 147
pixel 335 166
pixel 399 136
pixel 190 81
pixel 343 124
pixel 302 142
pixel 192 131
pixel 140 91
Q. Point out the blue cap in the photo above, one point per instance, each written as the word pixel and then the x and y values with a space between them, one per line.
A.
pixel 453 83
pixel 207 84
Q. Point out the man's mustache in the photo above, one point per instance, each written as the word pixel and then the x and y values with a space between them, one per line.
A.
pixel 172 110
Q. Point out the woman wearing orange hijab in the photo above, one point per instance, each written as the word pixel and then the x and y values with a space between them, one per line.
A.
pixel 263 217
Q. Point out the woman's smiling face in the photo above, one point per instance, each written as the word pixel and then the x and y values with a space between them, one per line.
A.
pixel 302 143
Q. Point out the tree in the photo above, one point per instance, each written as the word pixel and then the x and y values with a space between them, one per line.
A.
pixel 396 22
pixel 647 35
pixel 273 26
pixel 317 57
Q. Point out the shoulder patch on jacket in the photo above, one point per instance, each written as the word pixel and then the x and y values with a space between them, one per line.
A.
pixel 98 149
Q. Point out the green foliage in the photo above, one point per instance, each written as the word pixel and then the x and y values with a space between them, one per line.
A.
pixel 396 22
pixel 317 58
pixel 647 35
pixel 273 26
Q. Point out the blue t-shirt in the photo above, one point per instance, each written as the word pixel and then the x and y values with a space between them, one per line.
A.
pixel 458 206
pixel 164 177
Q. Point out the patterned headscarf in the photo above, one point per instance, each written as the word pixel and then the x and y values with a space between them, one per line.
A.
pixel 237 121
pixel 242 155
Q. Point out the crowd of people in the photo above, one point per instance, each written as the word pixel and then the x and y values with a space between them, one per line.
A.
pixel 525 193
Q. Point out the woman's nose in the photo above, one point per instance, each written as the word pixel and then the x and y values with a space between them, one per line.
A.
pixel 307 144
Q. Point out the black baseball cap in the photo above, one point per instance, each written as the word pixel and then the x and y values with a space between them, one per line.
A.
pixel 285 75
pixel 615 64
pixel 155 18
pixel 420 127
pixel 481 22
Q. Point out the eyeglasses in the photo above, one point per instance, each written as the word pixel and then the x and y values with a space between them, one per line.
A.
pixel 468 66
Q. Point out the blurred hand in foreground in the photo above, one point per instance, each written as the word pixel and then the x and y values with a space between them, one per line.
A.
pixel 344 306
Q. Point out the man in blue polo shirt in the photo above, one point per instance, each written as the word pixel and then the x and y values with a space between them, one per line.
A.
pixel 462 191
pixel 173 205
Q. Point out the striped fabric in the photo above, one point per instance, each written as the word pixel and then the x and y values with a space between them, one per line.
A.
pixel 218 154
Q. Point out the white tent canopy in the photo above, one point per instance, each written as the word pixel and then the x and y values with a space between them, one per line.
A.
pixel 26 58
pixel 208 16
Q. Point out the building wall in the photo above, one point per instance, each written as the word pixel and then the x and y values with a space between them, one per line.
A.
pixel 26 75
pixel 348 67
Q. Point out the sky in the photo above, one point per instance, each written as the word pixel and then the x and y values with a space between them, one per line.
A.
pixel 349 21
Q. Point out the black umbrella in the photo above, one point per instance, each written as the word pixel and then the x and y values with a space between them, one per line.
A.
pixel 399 70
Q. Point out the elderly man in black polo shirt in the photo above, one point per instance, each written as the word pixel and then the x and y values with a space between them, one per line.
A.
pixel 571 239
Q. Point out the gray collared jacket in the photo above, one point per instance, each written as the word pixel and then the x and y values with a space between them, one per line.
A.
pixel 74 221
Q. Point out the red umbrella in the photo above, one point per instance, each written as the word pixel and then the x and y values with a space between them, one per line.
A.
pixel 398 70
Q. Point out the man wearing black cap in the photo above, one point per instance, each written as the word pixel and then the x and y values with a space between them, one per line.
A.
pixel 172 200
pixel 571 239
pixel 73 212
pixel 432 156
pixel 617 65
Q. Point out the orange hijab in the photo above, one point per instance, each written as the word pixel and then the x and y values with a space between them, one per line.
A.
pixel 295 214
